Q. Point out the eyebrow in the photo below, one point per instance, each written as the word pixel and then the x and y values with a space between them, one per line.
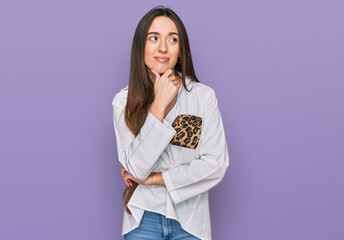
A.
pixel 157 33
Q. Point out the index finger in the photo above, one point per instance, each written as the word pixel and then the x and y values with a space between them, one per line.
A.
pixel 123 171
pixel 167 73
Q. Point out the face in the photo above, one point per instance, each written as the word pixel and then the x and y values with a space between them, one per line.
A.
pixel 162 41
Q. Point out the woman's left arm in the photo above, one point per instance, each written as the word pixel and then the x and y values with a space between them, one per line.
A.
pixel 201 174
pixel 155 178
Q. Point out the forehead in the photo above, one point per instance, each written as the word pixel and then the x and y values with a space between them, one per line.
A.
pixel 163 25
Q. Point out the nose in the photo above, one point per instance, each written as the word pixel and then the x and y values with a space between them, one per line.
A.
pixel 162 46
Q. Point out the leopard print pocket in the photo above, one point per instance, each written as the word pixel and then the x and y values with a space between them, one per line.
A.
pixel 188 128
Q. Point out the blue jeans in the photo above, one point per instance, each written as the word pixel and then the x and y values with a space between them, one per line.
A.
pixel 155 226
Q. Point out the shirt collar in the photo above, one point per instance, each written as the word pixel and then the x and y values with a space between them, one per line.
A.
pixel 187 79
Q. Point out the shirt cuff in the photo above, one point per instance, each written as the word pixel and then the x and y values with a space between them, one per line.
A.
pixel 170 187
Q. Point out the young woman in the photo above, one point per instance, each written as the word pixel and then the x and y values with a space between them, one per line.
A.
pixel 170 136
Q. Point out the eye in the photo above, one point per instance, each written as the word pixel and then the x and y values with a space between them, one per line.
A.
pixel 175 39
pixel 152 37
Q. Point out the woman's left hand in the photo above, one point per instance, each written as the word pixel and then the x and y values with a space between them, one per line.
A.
pixel 152 179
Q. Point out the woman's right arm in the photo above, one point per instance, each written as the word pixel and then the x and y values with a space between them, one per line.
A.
pixel 139 154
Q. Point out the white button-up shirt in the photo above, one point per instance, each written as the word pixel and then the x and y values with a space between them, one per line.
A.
pixel 189 147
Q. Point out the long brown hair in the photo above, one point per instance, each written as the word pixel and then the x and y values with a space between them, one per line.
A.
pixel 141 87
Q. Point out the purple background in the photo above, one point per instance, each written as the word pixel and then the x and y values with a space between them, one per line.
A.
pixel 276 68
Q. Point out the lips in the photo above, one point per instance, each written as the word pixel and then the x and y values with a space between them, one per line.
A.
pixel 162 59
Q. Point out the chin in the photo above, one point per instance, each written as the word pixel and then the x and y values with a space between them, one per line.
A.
pixel 163 70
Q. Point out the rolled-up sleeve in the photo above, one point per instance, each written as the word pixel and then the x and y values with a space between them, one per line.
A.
pixel 139 154
pixel 201 174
